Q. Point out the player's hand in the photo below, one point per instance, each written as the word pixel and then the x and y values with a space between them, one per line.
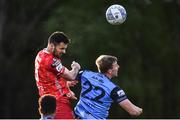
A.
pixel 139 111
pixel 71 95
pixel 75 65
pixel 72 83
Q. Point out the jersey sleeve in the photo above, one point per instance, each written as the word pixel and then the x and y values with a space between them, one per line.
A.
pixel 55 65
pixel 78 77
pixel 118 95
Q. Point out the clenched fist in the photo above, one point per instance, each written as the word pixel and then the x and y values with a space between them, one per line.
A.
pixel 75 65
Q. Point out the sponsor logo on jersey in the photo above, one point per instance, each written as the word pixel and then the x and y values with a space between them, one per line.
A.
pixel 120 92
pixel 57 64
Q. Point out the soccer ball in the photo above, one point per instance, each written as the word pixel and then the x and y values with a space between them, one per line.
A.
pixel 116 14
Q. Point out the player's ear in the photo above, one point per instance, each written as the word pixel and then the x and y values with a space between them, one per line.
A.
pixel 109 71
pixel 40 110
pixel 52 46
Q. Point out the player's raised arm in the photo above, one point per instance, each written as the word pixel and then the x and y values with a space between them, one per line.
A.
pixel 130 107
pixel 71 74
pixel 50 74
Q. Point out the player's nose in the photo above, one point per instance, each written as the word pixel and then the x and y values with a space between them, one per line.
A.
pixel 64 51
pixel 118 66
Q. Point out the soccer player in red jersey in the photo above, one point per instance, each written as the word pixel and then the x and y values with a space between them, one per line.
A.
pixel 51 76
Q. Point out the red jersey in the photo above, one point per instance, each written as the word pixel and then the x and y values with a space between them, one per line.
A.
pixel 48 70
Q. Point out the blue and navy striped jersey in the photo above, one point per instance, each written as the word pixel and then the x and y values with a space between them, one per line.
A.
pixel 97 95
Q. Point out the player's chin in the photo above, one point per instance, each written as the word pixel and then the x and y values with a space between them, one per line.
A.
pixel 60 55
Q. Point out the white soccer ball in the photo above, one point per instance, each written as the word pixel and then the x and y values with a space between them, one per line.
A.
pixel 116 14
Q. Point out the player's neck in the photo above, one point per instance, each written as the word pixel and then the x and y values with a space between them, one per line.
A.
pixel 49 48
pixel 108 75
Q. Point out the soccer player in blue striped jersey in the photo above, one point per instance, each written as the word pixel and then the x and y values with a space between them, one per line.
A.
pixel 98 91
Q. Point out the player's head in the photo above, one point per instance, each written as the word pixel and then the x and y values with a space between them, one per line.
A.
pixel 47 105
pixel 58 43
pixel 107 64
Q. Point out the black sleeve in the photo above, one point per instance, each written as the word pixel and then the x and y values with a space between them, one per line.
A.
pixel 118 95
pixel 78 77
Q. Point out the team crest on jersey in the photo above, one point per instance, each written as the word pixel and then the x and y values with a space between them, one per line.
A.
pixel 120 92
pixel 57 64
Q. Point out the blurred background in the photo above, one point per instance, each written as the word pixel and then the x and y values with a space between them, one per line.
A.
pixel 147 45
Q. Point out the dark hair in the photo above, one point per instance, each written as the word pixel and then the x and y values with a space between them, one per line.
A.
pixel 47 104
pixel 58 37
pixel 104 62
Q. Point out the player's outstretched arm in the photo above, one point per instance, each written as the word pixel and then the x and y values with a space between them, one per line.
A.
pixel 130 108
pixel 71 74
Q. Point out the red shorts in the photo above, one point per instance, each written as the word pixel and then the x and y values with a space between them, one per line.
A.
pixel 64 110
